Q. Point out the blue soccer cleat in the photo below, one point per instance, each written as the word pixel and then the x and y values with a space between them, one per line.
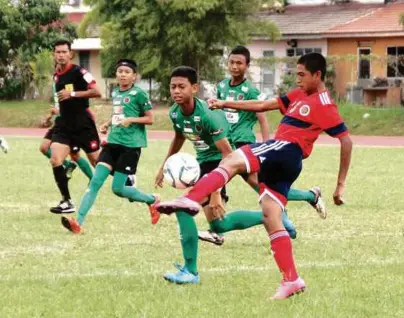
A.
pixel 183 276
pixel 289 227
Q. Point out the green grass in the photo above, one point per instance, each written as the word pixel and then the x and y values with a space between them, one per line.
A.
pixel 352 262
pixel 382 121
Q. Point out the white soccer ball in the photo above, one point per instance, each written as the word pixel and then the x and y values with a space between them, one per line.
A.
pixel 181 170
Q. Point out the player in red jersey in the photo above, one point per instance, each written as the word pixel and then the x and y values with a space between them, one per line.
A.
pixel 308 111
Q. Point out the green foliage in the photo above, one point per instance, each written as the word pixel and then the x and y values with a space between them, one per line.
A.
pixel 42 70
pixel 162 34
pixel 28 27
pixel 402 19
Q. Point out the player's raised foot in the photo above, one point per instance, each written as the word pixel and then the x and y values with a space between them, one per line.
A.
pixel 288 289
pixel 69 169
pixel 180 204
pixel 319 204
pixel 71 224
pixel 4 145
pixel 211 237
pixel 154 214
pixel 65 206
pixel 182 276
pixel 289 226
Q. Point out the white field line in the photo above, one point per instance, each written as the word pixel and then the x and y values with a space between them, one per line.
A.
pixel 213 270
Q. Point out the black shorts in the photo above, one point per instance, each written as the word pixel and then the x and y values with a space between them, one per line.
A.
pixel 207 167
pixel 49 134
pixel 241 144
pixel 84 136
pixel 120 158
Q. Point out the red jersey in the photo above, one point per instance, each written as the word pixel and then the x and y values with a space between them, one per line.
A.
pixel 306 117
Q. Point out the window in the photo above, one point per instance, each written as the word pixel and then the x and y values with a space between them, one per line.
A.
pixel 84 59
pixel 395 66
pixel 364 64
pixel 268 76
pixel 297 51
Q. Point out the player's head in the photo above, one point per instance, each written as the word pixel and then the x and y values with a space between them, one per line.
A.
pixel 239 60
pixel 62 50
pixel 311 70
pixel 126 72
pixel 183 84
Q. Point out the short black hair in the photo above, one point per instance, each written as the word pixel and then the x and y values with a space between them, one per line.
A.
pixel 62 42
pixel 242 50
pixel 127 62
pixel 187 72
pixel 314 62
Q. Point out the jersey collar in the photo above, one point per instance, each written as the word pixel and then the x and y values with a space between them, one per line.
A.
pixel 68 67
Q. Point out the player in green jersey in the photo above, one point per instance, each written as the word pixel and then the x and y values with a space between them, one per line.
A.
pixel 4 144
pixel 127 136
pixel 237 88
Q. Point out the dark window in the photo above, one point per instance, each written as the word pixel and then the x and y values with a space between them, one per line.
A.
pixel 84 59
pixel 364 63
pixel 395 65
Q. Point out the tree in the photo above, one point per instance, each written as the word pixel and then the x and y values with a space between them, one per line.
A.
pixel 27 27
pixel 163 34
pixel 401 21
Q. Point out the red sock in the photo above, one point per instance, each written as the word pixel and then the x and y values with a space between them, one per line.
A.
pixel 209 183
pixel 282 252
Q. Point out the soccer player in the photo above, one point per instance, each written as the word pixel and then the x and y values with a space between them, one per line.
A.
pixel 44 148
pixel 75 126
pixel 4 144
pixel 242 123
pixel 127 137
pixel 208 131
pixel 308 111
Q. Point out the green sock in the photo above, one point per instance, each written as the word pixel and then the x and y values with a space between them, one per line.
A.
pixel 100 175
pixel 67 163
pixel 238 220
pixel 189 240
pixel 300 195
pixel 85 166
pixel 119 188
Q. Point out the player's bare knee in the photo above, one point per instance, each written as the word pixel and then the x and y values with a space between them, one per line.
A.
pixel 75 156
pixel 55 162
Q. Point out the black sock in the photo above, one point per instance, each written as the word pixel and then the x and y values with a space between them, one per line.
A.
pixel 61 181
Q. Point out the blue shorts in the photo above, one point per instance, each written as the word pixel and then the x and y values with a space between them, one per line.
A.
pixel 278 164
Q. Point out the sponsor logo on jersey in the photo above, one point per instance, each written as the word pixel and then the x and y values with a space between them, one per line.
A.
pixel 116 101
pixel 188 130
pixel 174 115
pixel 69 87
pixel 304 110
pixel 216 132
pixel 222 85
pixel 197 118
pixel 262 96
pixel 244 89
pixel 133 93
pixel 88 78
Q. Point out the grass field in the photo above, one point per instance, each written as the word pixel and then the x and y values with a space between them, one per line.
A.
pixel 352 262
pixel 382 121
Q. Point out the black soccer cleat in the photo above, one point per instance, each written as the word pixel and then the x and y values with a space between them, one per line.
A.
pixel 65 206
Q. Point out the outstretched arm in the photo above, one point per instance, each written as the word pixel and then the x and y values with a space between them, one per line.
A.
pixel 256 106
pixel 345 160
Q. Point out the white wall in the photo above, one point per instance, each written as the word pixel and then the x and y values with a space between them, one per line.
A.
pixel 309 2
pixel 257 47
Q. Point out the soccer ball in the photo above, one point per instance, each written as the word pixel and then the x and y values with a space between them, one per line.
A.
pixel 181 170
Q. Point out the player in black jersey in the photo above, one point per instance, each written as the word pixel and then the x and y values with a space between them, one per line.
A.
pixel 75 126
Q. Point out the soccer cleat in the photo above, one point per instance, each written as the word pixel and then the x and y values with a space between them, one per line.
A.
pixel 154 214
pixel 288 289
pixel 211 237
pixel 319 204
pixel 183 276
pixel 180 204
pixel 65 206
pixel 69 169
pixel 71 224
pixel 289 227
pixel 4 145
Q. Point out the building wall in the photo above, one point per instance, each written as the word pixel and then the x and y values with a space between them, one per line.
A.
pixel 94 69
pixel 257 47
pixel 347 71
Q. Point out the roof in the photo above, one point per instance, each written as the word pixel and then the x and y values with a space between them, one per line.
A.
pixel 323 21
pixel 381 21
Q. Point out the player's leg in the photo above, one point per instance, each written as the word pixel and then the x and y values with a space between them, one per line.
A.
pixel 127 161
pixel 60 150
pixel 101 173
pixel 188 274
pixel 45 149
pixel 82 163
pixel 4 144
pixel 312 196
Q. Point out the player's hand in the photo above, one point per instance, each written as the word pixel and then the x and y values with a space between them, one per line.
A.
pixel 63 95
pixel 159 181
pixel 104 128
pixel 46 121
pixel 337 196
pixel 216 204
pixel 126 122
pixel 215 103
pixel 53 111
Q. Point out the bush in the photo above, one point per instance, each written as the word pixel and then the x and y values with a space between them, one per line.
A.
pixel 12 88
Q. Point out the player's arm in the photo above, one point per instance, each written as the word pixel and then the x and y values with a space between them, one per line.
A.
pixel 92 90
pixel 264 126
pixel 175 146
pixel 256 106
pixel 147 119
pixel 344 163
pixel 104 127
